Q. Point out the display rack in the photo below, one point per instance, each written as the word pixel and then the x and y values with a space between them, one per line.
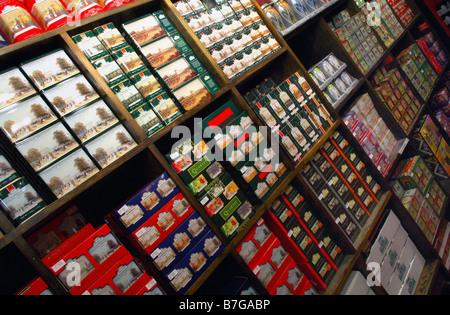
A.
pixel 302 46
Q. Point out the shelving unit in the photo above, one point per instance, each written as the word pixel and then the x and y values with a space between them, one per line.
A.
pixel 102 193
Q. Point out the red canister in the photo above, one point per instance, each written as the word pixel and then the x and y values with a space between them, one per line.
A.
pixel 50 14
pixel 16 22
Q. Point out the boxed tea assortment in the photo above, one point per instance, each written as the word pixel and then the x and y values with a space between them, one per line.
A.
pixel 440 105
pixel 372 133
pixel 15 87
pixel 433 148
pixel 357 38
pixel 402 10
pixel 332 79
pixel 420 194
pixel 272 264
pixel 293 112
pixel 396 94
pixel 19 200
pixel 232 32
pixel 212 185
pixel 306 232
pixel 400 260
pixel 419 71
pixel 356 284
pixel 343 184
pixel 433 51
pixel 388 28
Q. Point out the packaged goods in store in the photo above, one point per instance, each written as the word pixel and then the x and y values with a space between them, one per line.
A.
pixel 23 118
pixel 50 14
pixel 110 37
pixel 14 87
pixel 111 145
pixel 71 95
pixel 89 44
pixel 91 120
pixel 50 69
pixel 16 22
pixel 147 119
pixel 47 146
pixel 7 173
pixel 19 200
pixel 144 30
pixel 70 172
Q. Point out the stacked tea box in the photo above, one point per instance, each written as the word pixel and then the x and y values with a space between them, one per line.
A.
pixel 66 132
pixel 162 225
pixel 293 112
pixel 232 31
pixel 357 38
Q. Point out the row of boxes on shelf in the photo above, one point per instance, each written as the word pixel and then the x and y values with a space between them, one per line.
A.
pixel 286 13
pixel 232 32
pixel 442 243
pixel 332 79
pixel 298 223
pixel 272 263
pixel 386 24
pixel 402 10
pixel 343 184
pixel 169 58
pixel 418 70
pixel 371 131
pixel 401 263
pixel 88 260
pixel 420 194
pixel 433 51
pixel 162 225
pixel 433 148
pixel 64 130
pixel 396 94
pixel 357 38
pixel 25 19
pixel 440 104
pixel 293 112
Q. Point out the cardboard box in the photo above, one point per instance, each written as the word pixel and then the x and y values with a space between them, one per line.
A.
pixel 195 263
pixel 91 120
pixel 23 118
pixel 356 284
pixel 56 65
pixel 125 277
pixel 110 37
pixel 162 223
pixel 56 232
pixel 95 254
pixel 17 91
pixel 402 268
pixel 179 242
pixel 109 70
pixel 19 200
pixel 412 279
pixel 147 119
pixel 7 173
pixel 145 203
pixel 90 45
pixel 144 29
pixel 392 256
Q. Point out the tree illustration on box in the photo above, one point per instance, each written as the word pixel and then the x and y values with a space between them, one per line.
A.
pixel 39 111
pixel 100 155
pixel 123 138
pixel 7 125
pixel 84 90
pixel 60 103
pixel 56 185
pixel 63 64
pixel 80 129
pixel 34 157
pixel 5 168
pixel 18 85
pixel 82 165
pixel 62 139
pixel 38 76
pixel 104 115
